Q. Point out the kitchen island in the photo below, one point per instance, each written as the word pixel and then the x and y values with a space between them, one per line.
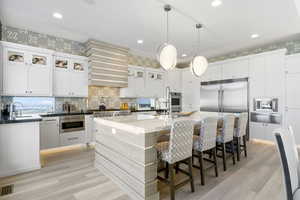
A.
pixel 125 150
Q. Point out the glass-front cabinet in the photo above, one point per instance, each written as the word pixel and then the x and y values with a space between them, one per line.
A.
pixel 27 72
pixel 70 76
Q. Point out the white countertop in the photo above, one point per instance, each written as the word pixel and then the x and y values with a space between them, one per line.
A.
pixel 143 123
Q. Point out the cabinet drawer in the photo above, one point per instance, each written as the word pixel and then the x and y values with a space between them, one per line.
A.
pixel 72 138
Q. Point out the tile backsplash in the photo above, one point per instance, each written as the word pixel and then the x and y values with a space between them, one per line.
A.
pixel 108 95
pixel 55 104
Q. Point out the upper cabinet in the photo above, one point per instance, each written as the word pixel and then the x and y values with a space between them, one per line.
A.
pixel 228 69
pixel 237 68
pixel 174 80
pixel 144 82
pixel 190 91
pixel 70 76
pixel 266 73
pixel 27 71
pixel 155 83
pixel 213 72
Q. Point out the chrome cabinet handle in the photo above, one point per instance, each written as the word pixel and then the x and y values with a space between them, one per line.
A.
pixel 73 138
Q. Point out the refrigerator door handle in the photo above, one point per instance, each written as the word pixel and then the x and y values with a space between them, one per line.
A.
pixel 219 100
pixel 222 100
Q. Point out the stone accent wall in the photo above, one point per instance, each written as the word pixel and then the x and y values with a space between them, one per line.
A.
pixel 142 61
pixel 31 38
pixel 292 44
pixel 108 95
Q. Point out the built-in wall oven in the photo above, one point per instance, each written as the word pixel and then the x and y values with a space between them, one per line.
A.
pixel 176 101
pixel 71 123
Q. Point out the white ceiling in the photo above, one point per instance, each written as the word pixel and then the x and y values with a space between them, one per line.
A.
pixel 122 22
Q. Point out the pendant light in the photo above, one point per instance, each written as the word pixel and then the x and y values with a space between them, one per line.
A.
pixel 199 64
pixel 167 53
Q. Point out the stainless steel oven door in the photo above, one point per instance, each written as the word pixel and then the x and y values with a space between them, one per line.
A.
pixel 72 123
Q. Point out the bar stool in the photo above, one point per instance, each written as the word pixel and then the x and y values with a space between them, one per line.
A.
pixel 206 143
pixel 225 137
pixel 240 134
pixel 178 149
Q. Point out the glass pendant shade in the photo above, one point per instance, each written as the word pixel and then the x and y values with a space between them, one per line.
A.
pixel 198 65
pixel 167 56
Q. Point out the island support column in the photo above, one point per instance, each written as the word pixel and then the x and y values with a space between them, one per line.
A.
pixel 129 159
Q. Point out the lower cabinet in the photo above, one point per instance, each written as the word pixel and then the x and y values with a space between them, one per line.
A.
pixel 72 138
pixel 19 148
pixel 263 131
pixel 51 138
pixel 49 128
pixel 89 129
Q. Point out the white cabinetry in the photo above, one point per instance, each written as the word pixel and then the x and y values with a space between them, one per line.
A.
pixel 213 72
pixel 49 129
pixel 136 83
pixel 190 91
pixel 89 128
pixel 19 148
pixel 70 76
pixel 292 109
pixel 267 77
pixel 263 131
pixel 144 82
pixel 71 138
pixel 27 71
pixel 266 73
pixel 154 83
pixel 174 80
pixel 237 68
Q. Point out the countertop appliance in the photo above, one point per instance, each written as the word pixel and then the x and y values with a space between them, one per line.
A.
pixel 176 101
pixel 71 123
pixel 229 96
pixel 266 111
pixel 265 104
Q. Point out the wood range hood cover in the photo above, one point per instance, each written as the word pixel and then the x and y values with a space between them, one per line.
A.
pixel 108 64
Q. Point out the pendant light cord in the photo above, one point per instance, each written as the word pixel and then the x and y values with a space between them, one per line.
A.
pixel 199 40
pixel 167 27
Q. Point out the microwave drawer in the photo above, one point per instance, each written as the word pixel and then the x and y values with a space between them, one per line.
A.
pixel 71 138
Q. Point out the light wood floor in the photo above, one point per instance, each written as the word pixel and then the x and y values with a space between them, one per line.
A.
pixel 69 174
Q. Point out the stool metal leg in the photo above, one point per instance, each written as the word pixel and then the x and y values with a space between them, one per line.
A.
pixel 245 145
pixel 201 168
pixel 215 161
pixel 232 151
pixel 238 147
pixel 191 174
pixel 224 157
pixel 172 181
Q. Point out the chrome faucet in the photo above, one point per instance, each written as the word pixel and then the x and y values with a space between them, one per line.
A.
pixel 13 110
pixel 168 100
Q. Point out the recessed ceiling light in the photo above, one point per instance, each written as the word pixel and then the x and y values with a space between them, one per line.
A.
pixel 216 3
pixel 140 41
pixel 57 15
pixel 184 55
pixel 253 36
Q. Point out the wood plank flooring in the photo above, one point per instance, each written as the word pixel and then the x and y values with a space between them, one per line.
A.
pixel 69 174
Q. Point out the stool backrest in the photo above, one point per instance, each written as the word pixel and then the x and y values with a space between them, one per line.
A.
pixel 208 134
pixel 242 125
pixel 181 140
pixel 228 128
pixel 289 161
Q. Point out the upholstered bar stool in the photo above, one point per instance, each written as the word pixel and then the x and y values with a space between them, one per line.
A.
pixel 225 138
pixel 240 134
pixel 178 149
pixel 206 143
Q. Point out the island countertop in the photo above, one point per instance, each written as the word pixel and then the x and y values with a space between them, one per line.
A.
pixel 125 150
pixel 143 123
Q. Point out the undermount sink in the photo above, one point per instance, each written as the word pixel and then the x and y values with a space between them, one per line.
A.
pixel 24 116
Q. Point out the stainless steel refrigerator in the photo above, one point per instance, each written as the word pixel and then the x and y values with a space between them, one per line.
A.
pixel 228 96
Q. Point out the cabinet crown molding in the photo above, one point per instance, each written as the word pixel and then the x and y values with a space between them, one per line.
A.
pixel 26 47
